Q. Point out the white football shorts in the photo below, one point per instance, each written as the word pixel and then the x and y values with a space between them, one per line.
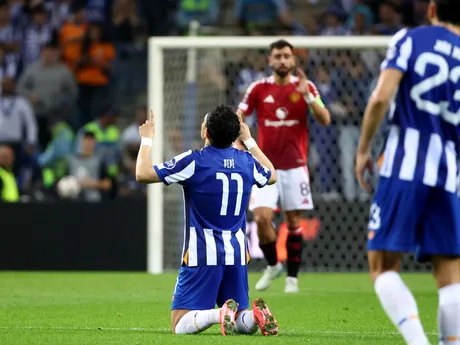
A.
pixel 292 190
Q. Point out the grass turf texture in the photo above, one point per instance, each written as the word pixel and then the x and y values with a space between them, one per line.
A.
pixel 133 308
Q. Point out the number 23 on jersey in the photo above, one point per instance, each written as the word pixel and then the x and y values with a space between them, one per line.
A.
pixel 445 109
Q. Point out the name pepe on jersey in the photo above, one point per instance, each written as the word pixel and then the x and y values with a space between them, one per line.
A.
pixel 423 65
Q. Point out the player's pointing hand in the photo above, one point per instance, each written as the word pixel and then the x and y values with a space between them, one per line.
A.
pixel 147 129
pixel 364 163
pixel 303 83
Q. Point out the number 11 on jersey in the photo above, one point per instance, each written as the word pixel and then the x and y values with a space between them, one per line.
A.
pixel 226 191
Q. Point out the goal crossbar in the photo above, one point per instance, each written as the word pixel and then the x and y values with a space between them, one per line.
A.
pixel 231 42
pixel 156 48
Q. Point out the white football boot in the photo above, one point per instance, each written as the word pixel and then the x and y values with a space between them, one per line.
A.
pixel 270 274
pixel 291 285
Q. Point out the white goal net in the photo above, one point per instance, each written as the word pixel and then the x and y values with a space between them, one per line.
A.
pixel 190 76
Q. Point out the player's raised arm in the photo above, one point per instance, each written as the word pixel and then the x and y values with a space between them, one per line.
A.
pixel 251 145
pixel 238 144
pixel 177 170
pixel 145 173
pixel 241 114
pixel 311 96
pixel 247 106
pixel 249 101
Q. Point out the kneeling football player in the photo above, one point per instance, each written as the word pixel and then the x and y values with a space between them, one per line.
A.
pixel 217 181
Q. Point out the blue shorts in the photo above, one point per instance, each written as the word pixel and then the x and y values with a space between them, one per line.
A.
pixel 202 287
pixel 412 217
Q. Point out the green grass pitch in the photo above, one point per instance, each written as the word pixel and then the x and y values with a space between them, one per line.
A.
pixel 133 308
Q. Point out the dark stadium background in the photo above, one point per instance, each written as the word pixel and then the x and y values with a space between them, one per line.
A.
pixel 42 232
pixel 74 271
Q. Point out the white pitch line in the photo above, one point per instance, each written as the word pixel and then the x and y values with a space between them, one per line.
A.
pixel 69 328
pixel 136 329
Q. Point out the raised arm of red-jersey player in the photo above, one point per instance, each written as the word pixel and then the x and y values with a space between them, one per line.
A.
pixel 249 101
pixel 318 109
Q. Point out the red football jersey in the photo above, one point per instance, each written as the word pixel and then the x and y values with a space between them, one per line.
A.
pixel 282 120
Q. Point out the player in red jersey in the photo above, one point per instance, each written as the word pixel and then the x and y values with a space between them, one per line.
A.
pixel 282 102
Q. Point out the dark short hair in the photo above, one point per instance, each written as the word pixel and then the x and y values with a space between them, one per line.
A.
pixel 88 135
pixel 447 11
pixel 280 44
pixel 223 126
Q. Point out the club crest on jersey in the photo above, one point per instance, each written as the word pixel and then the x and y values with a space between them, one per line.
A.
pixel 281 113
pixel 294 97
pixel 170 164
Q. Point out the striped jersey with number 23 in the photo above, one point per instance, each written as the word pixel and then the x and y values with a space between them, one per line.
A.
pixel 216 184
pixel 422 143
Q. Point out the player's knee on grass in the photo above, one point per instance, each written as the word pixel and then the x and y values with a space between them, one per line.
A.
pixel 381 262
pixel 176 315
pixel 446 270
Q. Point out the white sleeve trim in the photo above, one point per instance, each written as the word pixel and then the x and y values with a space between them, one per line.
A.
pixel 243 106
pixel 183 175
pixel 405 51
pixel 176 159
pixel 260 179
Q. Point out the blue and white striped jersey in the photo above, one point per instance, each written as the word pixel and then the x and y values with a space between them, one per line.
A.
pixel 423 141
pixel 217 184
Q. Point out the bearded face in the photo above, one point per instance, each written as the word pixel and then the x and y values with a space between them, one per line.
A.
pixel 282 61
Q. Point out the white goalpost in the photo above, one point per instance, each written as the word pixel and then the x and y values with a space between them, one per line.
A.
pixel 160 65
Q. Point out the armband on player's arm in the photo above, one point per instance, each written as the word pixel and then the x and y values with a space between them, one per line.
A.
pixel 145 173
pixel 318 109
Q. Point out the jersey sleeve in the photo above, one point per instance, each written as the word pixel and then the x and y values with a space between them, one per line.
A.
pixel 399 51
pixel 177 170
pixel 314 91
pixel 249 102
pixel 261 174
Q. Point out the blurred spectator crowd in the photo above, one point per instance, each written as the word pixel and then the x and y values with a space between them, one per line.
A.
pixel 73 82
